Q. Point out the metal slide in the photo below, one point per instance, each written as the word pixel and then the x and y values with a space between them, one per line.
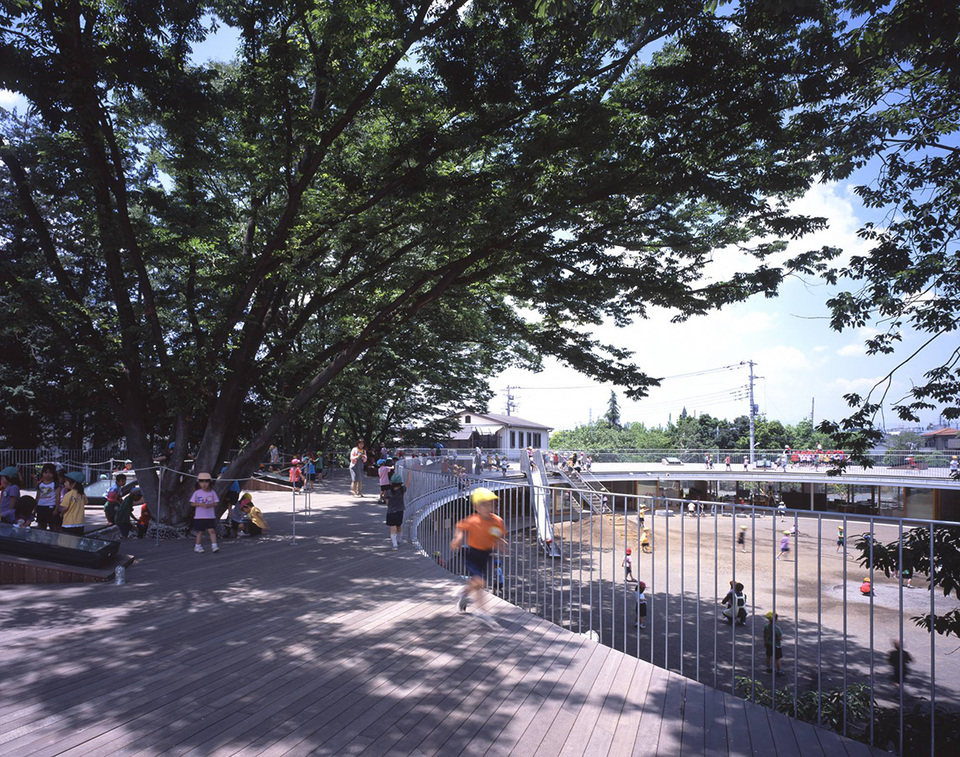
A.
pixel 537 479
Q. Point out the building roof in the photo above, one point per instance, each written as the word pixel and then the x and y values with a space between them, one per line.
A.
pixel 507 420
pixel 948 432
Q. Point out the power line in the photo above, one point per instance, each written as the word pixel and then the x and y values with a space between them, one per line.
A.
pixel 693 374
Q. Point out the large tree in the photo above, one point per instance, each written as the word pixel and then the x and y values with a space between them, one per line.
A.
pixel 185 227
pixel 901 69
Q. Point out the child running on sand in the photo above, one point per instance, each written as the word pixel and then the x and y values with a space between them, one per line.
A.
pixel 784 545
pixel 628 566
pixel 482 532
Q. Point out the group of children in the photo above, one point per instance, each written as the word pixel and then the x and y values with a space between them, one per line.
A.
pixel 59 504
pixel 120 506
pixel 305 472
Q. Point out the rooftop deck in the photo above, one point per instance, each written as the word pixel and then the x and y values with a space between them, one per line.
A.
pixel 337 645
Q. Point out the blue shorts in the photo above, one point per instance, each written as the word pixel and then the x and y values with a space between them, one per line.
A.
pixel 477 562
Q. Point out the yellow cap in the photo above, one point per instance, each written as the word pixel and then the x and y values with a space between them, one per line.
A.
pixel 483 495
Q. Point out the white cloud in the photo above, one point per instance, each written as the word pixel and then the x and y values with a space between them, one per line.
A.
pixel 859 385
pixel 852 350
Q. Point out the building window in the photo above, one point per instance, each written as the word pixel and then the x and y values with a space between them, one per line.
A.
pixel 513 440
pixel 466 419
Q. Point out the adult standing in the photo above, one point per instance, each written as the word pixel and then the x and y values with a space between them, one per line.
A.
pixel 358 459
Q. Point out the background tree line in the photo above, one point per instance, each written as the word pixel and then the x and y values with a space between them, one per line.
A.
pixel 688 432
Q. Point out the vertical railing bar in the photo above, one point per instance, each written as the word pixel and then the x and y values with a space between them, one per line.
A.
pixel 666 595
pixel 872 640
pixel 626 586
pixel 753 593
pixel 683 532
pixel 734 607
pixel 600 576
pixel 899 671
pixel 699 599
pixel 819 616
pixel 651 602
pixel 796 610
pixel 580 564
pixel 639 503
pixel 773 628
pixel 716 591
pixel 844 607
pixel 933 648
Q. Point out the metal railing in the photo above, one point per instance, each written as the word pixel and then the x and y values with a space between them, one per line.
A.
pixel 840 666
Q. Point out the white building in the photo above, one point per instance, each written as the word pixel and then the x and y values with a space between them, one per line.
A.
pixel 491 431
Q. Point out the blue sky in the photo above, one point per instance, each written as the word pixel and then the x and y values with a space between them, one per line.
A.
pixel 799 360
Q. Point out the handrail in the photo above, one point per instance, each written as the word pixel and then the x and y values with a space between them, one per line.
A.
pixel 832 635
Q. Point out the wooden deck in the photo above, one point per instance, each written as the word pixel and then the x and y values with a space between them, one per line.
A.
pixel 337 645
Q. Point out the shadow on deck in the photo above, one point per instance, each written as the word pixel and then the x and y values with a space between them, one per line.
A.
pixel 337 645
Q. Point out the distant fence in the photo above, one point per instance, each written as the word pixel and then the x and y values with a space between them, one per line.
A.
pixel 840 668
pixel 92 462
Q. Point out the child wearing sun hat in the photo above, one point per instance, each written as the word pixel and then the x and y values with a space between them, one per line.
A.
pixel 204 502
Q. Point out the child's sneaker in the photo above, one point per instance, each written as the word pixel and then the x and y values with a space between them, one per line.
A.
pixel 215 548
pixel 197 548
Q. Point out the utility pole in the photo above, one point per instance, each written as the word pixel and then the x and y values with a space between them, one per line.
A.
pixel 753 410
pixel 812 400
pixel 511 405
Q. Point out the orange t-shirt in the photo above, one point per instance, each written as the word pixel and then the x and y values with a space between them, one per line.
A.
pixel 482 533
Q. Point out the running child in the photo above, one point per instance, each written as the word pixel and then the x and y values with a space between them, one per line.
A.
pixel 482 532
pixel 628 566
pixel 742 539
pixel 840 540
pixel 645 545
pixel 784 545
pixel 395 506
pixel 204 501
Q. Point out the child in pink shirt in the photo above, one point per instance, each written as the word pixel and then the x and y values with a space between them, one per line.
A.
pixel 204 501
